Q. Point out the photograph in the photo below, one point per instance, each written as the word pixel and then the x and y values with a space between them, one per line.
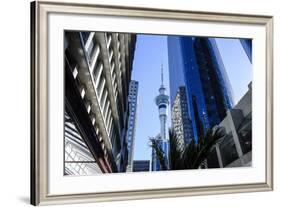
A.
pixel 155 102
pixel 131 103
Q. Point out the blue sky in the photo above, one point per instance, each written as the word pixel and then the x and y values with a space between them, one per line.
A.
pixel 151 51
pixel 237 65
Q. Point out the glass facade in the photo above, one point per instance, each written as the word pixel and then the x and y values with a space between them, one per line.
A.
pixel 247 45
pixel 195 62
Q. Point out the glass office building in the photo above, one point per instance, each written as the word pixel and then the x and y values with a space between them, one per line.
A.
pixel 195 62
pixel 247 46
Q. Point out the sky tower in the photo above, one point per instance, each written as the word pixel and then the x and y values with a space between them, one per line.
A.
pixel 162 102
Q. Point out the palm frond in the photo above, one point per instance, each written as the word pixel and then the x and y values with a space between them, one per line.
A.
pixel 187 156
pixel 176 150
pixel 205 145
pixel 155 145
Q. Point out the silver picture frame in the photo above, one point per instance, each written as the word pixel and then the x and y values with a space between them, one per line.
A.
pixel 39 100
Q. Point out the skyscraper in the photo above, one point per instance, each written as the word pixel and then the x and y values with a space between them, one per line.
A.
pixel 132 99
pixel 181 122
pixel 98 69
pixel 247 45
pixel 196 64
pixel 162 102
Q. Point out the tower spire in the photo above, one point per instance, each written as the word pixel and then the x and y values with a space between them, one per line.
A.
pixel 162 102
pixel 162 82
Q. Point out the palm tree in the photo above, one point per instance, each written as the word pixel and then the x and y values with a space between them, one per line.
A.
pixel 154 143
pixel 188 156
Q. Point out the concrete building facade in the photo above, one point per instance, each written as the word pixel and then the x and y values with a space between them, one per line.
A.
pixel 181 123
pixel 235 149
pixel 98 69
pixel 78 158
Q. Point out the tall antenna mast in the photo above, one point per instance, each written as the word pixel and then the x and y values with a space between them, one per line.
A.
pixel 162 74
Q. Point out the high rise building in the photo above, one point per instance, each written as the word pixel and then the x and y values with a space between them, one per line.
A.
pixel 162 102
pixel 98 69
pixel 181 122
pixel 133 101
pixel 235 149
pixel 141 165
pixel 247 45
pixel 78 158
pixel 196 64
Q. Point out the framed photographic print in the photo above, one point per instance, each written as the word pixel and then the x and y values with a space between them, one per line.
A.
pixel 135 103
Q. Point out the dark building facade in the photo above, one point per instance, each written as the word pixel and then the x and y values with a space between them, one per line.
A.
pixel 196 64
pixel 141 165
pixel 247 46
pixel 98 69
